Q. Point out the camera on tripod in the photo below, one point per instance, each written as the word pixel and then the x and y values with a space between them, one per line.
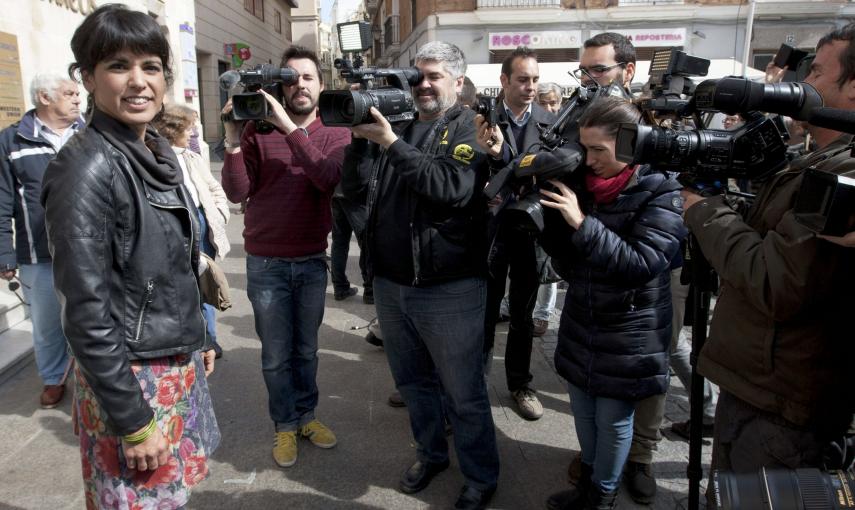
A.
pixel 251 104
pixel 352 107
pixel 706 158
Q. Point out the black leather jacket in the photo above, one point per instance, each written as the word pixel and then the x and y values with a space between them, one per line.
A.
pixel 441 208
pixel 124 261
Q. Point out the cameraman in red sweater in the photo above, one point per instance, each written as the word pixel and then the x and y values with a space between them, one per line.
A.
pixel 289 176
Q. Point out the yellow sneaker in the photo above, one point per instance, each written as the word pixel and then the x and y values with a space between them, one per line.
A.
pixel 285 448
pixel 319 434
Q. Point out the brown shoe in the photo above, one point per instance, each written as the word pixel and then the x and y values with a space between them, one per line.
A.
pixel 395 400
pixel 540 327
pixel 574 470
pixel 52 395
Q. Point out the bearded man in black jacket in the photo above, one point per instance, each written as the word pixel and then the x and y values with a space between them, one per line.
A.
pixel 422 183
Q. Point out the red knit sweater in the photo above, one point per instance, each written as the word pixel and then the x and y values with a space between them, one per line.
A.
pixel 289 181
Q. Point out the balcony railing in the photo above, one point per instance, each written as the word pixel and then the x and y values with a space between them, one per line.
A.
pixel 517 4
pixel 391 31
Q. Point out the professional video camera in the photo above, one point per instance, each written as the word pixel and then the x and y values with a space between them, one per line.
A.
pixel 556 156
pixel 708 157
pixel 251 105
pixel 351 107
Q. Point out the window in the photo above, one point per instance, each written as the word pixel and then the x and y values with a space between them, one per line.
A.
pixel 277 21
pixel 256 7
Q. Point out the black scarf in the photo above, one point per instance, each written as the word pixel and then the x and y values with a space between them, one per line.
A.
pixel 154 161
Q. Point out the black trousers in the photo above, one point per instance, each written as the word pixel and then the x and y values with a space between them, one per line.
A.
pixel 347 220
pixel 513 257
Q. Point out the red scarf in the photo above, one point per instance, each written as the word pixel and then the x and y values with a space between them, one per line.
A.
pixel 606 190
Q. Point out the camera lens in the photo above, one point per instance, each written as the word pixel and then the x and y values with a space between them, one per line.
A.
pixel 255 106
pixel 807 489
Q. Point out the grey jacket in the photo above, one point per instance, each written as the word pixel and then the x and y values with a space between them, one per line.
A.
pixel 781 335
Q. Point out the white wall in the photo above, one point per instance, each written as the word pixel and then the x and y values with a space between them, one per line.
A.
pixel 44 29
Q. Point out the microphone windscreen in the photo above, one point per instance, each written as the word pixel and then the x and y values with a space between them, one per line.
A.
pixel 229 79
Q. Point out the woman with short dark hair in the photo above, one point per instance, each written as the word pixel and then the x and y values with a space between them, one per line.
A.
pixel 618 230
pixel 123 236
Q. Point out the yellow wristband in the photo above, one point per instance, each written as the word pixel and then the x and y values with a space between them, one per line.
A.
pixel 142 435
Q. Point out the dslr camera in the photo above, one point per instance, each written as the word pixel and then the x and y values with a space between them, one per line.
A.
pixel 351 107
pixel 251 104
pixel 486 107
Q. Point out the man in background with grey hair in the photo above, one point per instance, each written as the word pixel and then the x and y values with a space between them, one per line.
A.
pixel 26 148
pixel 423 238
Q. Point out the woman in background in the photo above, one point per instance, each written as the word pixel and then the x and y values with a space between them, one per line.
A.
pixel 177 124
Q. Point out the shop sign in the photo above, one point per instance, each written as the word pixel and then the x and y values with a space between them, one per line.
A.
pixel 239 52
pixel 187 42
pixel 494 91
pixel 652 36
pixel 535 40
pixel 489 91
pixel 83 7
pixel 12 105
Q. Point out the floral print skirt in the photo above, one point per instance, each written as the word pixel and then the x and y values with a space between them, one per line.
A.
pixel 176 389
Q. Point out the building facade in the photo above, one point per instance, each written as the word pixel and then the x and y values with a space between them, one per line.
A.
pixel 240 34
pixel 486 30
pixel 35 36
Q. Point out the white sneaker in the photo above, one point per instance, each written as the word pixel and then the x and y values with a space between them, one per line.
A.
pixel 529 406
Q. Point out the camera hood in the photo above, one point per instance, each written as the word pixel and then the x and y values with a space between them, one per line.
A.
pixel 549 164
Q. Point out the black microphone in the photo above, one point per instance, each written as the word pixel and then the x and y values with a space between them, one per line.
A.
pixel 833 118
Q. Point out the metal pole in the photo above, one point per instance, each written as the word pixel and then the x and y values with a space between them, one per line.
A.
pixel 749 28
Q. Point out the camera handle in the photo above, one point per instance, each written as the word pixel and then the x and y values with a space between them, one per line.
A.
pixel 704 283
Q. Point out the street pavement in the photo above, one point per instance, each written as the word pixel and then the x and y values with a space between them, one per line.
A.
pixel 39 457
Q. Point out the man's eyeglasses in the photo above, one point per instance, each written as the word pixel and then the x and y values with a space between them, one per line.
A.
pixel 594 71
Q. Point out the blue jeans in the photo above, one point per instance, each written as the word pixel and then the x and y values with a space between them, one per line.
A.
pixel 49 345
pixel 434 337
pixel 288 303
pixel 208 311
pixel 547 294
pixel 604 429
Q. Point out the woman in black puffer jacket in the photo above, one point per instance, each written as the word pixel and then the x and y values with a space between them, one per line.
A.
pixel 613 242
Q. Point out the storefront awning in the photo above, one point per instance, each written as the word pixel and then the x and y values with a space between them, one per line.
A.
pixel 486 76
